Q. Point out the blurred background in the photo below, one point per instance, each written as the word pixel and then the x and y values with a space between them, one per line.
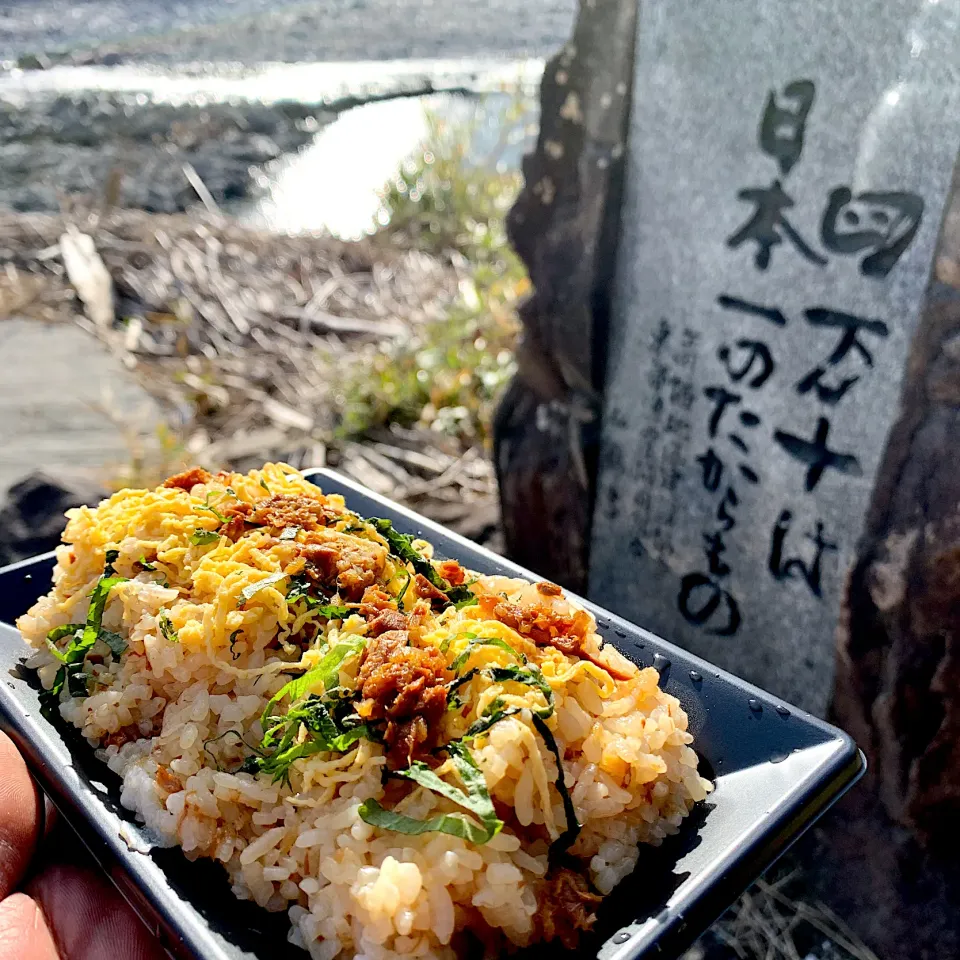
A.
pixel 300 208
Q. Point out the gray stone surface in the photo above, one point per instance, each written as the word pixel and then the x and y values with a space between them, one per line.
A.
pixel 57 381
pixel 885 116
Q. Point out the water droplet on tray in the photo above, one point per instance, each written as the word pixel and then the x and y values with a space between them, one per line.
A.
pixel 621 937
pixel 662 665
pixel 696 677
pixel 778 758
pixel 782 710
pixel 755 705
pixel 622 634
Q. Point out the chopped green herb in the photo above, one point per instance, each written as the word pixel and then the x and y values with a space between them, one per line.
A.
pixel 226 733
pixel 333 612
pixel 278 764
pixel 202 537
pixel 58 633
pixel 114 641
pixel 300 590
pixel 263 483
pixel 144 565
pixel 213 498
pixel 247 592
pixel 453 699
pixel 233 640
pixel 403 592
pixel 476 800
pixel 331 729
pixel 77 683
pixel 401 545
pixel 290 533
pixel 445 646
pixel 569 836
pixel 485 642
pixel 325 674
pixel 462 597
pixel 532 677
pixel 166 628
pixel 72 658
pixel 495 713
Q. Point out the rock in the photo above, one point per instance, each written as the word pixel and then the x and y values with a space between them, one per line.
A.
pixel 898 669
pixel 897 688
pixel 32 517
pixel 55 144
pixel 34 61
pixel 564 226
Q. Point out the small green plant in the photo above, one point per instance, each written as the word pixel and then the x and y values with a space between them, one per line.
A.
pixel 449 373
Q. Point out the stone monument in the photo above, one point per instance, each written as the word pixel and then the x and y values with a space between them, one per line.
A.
pixel 787 171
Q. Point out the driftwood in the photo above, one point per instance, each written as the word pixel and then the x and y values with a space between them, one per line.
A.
pixel 564 226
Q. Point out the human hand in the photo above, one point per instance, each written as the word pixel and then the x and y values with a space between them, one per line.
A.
pixel 52 910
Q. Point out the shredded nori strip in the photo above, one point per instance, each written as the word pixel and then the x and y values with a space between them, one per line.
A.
pixel 569 836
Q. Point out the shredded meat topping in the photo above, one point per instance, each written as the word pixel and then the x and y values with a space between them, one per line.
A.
pixel 237 515
pixel 566 902
pixel 426 589
pixel 375 600
pixel 547 629
pixel 168 781
pixel 291 511
pixel 451 571
pixel 122 736
pixel 387 620
pixel 348 564
pixel 548 589
pixel 406 686
pixel 188 479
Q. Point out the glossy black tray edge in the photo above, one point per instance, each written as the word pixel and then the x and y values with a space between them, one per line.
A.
pixel 685 912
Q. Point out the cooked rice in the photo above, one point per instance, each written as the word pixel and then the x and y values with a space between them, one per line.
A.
pixel 162 712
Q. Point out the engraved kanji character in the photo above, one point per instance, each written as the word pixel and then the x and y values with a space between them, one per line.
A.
pixel 772 314
pixel 782 126
pixel 882 222
pixel 727 520
pixel 703 600
pixel 767 225
pixel 816 455
pixel 715 550
pixel 722 398
pixel 785 569
pixel 756 352
pixel 712 467
pixel 851 326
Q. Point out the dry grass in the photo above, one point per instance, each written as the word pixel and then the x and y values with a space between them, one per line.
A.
pixel 243 338
pixel 768 924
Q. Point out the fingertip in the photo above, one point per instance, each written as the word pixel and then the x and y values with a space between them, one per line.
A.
pixel 24 934
pixel 88 917
pixel 20 816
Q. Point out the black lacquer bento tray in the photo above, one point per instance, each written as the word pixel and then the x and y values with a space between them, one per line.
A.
pixel 776 769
